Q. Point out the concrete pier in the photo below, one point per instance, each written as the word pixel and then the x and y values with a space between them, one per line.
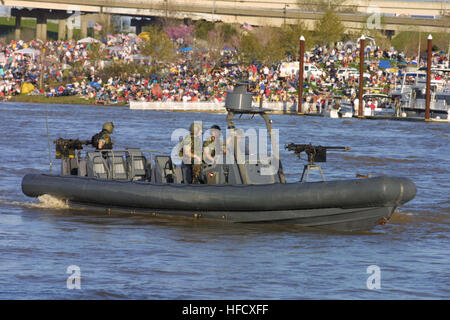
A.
pixel 41 16
pixel 84 25
pixel 41 28
pixel 17 34
pixel 139 23
pixel 62 29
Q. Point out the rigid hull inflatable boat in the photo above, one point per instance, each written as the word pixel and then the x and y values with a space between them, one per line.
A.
pixel 128 181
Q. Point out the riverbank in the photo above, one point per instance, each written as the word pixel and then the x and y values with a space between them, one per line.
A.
pixel 189 107
pixel 61 100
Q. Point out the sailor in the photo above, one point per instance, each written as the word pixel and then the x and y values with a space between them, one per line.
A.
pixel 102 140
pixel 213 144
pixel 191 153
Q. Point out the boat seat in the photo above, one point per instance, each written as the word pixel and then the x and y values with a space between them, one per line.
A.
pixel 163 170
pixel 82 168
pixel 177 175
pixel 96 165
pixel 69 166
pixel 137 165
pixel 117 166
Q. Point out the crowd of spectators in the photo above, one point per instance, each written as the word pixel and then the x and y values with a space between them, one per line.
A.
pixel 69 68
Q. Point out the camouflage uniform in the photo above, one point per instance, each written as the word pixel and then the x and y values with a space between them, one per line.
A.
pixel 104 136
pixel 106 139
pixel 212 145
pixel 192 141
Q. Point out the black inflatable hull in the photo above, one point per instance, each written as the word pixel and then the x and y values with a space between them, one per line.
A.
pixel 350 205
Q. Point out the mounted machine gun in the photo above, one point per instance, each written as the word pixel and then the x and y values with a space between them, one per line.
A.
pixel 314 153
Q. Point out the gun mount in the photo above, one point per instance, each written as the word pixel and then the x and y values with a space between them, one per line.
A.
pixel 65 148
pixel 314 153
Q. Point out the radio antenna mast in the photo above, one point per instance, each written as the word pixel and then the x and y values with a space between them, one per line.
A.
pixel 48 140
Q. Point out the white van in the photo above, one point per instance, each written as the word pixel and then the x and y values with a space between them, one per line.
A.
pixel 346 73
pixel 288 68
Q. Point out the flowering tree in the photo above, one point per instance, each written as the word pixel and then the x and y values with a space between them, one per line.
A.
pixel 180 32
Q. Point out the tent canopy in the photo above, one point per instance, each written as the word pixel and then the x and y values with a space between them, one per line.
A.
pixel 27 88
pixel 28 51
pixel 88 40
pixel 385 64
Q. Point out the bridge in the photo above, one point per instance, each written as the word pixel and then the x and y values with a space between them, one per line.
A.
pixel 355 14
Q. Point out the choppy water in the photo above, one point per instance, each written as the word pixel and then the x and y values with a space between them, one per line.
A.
pixel 146 258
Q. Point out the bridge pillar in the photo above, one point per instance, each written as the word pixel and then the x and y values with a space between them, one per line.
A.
pixel 138 28
pixel 41 28
pixel 139 23
pixel 84 25
pixel 17 28
pixel 61 29
pixel 69 23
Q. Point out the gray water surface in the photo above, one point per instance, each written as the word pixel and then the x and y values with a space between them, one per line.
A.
pixel 147 258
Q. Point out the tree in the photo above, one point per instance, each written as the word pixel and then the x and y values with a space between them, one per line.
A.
pixel 95 53
pixel 271 50
pixel 289 37
pixel 262 45
pixel 228 31
pixel 250 48
pixel 159 46
pixel 181 31
pixel 202 28
pixel 329 28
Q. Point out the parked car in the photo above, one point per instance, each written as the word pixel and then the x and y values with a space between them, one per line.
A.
pixel 346 73
pixel 288 68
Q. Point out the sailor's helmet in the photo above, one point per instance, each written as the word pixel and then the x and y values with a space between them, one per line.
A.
pixel 108 126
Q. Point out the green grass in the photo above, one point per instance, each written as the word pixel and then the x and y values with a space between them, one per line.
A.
pixel 27 23
pixel 28 29
pixel 58 100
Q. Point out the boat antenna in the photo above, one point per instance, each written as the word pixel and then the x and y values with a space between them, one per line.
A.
pixel 48 140
pixel 41 86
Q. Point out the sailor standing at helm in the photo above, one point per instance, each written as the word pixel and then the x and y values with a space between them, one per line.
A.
pixel 102 140
pixel 191 153
pixel 213 147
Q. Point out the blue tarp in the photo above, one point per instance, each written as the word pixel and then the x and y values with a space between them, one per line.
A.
pixel 187 49
pixel 385 64
pixel 94 84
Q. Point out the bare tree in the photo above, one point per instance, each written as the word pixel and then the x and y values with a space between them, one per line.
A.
pixel 323 5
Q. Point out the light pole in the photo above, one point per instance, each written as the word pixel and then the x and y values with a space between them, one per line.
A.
pixel 300 74
pixel 361 75
pixel 428 88
pixel 418 52
pixel 285 11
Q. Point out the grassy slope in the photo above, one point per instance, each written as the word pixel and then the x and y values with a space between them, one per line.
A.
pixel 59 100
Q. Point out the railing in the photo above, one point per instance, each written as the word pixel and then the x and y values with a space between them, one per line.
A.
pixel 127 165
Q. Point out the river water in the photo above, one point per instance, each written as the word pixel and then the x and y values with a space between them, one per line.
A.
pixel 41 242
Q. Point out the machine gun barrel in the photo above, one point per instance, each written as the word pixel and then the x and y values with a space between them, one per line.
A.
pixel 315 153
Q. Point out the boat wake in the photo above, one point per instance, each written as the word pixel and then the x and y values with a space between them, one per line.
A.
pixel 46 201
pixel 49 202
